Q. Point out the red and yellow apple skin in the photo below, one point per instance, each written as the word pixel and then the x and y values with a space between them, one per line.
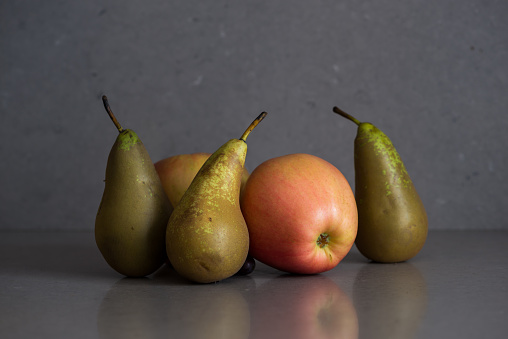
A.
pixel 301 214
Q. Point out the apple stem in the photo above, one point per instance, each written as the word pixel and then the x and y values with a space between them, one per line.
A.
pixel 110 113
pixel 345 115
pixel 322 240
pixel 252 125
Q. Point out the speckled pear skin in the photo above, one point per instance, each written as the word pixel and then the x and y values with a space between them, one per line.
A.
pixel 207 239
pixel 131 221
pixel 392 221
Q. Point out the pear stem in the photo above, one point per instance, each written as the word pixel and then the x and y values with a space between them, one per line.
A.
pixel 345 115
pixel 252 125
pixel 110 113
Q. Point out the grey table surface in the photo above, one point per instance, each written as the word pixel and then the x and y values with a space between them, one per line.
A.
pixel 56 285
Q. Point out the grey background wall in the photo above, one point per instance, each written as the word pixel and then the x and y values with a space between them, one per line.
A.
pixel 189 75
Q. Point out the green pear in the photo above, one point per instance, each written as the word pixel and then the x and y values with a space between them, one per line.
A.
pixel 392 222
pixel 131 221
pixel 206 237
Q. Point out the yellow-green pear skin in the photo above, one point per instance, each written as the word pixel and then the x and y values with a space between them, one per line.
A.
pixel 392 221
pixel 207 239
pixel 130 225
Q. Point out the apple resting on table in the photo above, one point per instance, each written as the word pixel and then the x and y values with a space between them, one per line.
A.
pixel 301 214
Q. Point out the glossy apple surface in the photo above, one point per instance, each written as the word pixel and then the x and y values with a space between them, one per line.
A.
pixel 177 172
pixel 301 214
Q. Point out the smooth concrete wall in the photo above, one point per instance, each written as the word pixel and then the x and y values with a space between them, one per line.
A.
pixel 189 75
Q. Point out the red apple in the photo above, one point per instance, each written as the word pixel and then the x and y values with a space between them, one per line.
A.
pixel 177 172
pixel 301 214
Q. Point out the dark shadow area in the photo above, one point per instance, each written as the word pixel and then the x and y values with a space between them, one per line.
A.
pixel 51 253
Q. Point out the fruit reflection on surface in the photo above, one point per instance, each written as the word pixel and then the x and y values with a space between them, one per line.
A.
pixel 207 238
pixel 392 222
pixel 131 221
pixel 178 171
pixel 140 308
pixel 301 214
pixel 391 300
pixel 302 307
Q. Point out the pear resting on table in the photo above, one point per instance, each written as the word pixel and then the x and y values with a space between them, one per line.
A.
pixel 207 238
pixel 130 225
pixel 392 222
